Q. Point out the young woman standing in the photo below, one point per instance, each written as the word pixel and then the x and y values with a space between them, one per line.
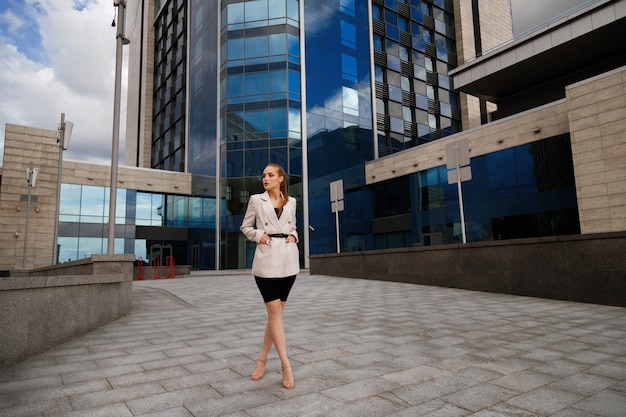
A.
pixel 270 221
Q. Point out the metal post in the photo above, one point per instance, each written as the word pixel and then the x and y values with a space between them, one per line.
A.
pixel 337 227
pixel 458 184
pixel 121 11
pixel 60 141
pixel 30 176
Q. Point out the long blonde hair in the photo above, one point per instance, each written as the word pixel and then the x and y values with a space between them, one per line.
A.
pixel 283 185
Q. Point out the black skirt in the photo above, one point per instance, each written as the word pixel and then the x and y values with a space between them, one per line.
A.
pixel 275 288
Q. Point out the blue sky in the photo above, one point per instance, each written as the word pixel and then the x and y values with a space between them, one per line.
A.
pixel 58 56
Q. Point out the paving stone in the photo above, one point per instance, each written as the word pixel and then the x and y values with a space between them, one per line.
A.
pixel 357 347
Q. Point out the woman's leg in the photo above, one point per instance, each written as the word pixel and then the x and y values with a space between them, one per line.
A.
pixel 275 333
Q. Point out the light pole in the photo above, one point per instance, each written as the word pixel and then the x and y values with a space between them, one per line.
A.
pixel 120 42
pixel 65 131
pixel 31 177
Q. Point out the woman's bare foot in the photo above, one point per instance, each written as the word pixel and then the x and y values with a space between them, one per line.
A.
pixel 259 370
pixel 288 381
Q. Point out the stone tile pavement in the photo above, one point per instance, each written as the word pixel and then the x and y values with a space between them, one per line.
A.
pixel 357 347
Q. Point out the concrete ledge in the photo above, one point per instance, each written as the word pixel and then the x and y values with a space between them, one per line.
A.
pixel 582 268
pixel 42 308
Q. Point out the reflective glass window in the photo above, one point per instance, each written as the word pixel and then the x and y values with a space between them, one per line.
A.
pixel 348 34
pixel 234 13
pixel 235 85
pixel 347 6
pixel 277 8
pixel 378 42
pixel 256 46
pixel 376 12
pixel 235 49
pixel 350 101
pixel 256 10
pixel 349 67
pixel 278 44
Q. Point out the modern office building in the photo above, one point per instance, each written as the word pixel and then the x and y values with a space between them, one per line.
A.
pixel 320 87
pixel 367 92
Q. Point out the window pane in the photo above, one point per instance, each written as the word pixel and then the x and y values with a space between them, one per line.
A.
pixel 256 10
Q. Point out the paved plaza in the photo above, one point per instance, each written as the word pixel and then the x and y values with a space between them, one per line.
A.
pixel 357 348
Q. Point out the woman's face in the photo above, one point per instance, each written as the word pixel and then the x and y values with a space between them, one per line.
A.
pixel 271 179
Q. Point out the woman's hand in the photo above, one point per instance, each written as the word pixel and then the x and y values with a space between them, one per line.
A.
pixel 291 239
pixel 265 239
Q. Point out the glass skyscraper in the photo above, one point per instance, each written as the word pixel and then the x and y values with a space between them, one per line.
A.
pixel 318 86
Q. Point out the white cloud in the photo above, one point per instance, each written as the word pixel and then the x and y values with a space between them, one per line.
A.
pixel 75 74
pixel 12 21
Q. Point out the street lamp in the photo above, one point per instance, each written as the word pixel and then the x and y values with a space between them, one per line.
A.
pixel 63 139
pixel 31 177
pixel 120 42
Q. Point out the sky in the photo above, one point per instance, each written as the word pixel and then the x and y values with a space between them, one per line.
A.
pixel 58 56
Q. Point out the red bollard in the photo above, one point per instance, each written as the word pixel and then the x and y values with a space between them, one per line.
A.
pixel 139 268
pixel 156 267
pixel 170 269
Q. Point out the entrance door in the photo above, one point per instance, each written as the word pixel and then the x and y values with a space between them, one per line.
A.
pixel 160 251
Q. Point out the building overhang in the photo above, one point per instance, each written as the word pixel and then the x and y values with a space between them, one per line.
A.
pixel 586 38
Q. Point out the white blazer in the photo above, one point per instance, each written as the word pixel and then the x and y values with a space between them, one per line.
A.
pixel 279 258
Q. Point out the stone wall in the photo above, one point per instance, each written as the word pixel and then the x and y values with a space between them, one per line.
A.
pixel 597 119
pixel 42 308
pixel 589 268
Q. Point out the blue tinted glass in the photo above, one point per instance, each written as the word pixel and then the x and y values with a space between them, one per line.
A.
pixel 294 82
pixel 93 205
pixel 417 15
pixel 395 93
pixel 446 109
pixel 278 81
pixel 235 13
pixel 278 44
pixel 70 199
pixel 393 62
pixel 293 9
pixel 235 49
pixel 379 73
pixel 257 120
pixel 348 34
pixel 392 32
pixel 378 42
pixel 278 119
pixel 403 24
pixel 294 45
pixel 235 85
pixel 256 46
pixel 294 121
pixel 396 124
pixel 256 10
pixel 347 6
pixel 499 173
pixel 349 68
pixel 376 14
pixel 391 17
pixel 277 8
pixel 256 83
pixel 418 43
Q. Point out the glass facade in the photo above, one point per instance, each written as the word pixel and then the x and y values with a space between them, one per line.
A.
pixel 320 87
pixel 260 104
pixel 149 225
pixel 526 191
pixel 414 48
pixel 170 78
pixel 339 118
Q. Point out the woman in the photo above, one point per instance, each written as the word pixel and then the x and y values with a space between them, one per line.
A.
pixel 276 261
